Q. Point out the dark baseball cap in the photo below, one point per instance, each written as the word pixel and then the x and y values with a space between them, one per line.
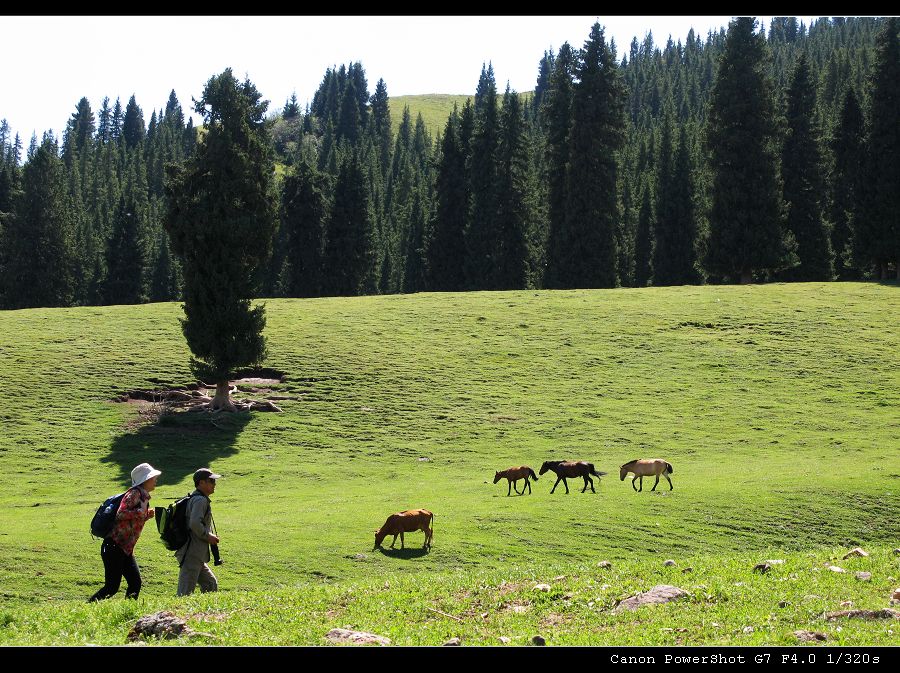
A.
pixel 205 473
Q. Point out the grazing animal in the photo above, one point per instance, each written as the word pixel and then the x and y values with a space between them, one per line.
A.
pixel 569 468
pixel 646 467
pixel 513 474
pixel 406 522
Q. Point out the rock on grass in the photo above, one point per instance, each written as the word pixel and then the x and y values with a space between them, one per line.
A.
pixel 858 551
pixel 162 624
pixel 355 637
pixel 885 613
pixel 661 593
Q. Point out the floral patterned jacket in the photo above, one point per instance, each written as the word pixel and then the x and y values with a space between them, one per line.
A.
pixel 134 511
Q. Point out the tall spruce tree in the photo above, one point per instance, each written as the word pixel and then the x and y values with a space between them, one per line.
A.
pixel 304 215
pixel 415 270
pixel 133 128
pixel 515 254
pixel 597 134
pixel 221 219
pixel 746 223
pixel 481 234
pixel 381 125
pixel 643 241
pixel 804 180
pixel 848 149
pixel 446 250
pixel 877 239
pixel 350 252
pixel 556 113
pixel 126 255
pixel 40 237
pixel 675 247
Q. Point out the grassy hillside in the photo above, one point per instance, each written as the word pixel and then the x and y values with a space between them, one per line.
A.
pixel 435 108
pixel 777 406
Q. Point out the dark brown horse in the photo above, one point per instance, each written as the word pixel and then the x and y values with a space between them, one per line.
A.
pixel 513 474
pixel 569 468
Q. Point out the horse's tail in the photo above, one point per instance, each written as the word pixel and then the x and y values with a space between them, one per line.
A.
pixel 594 472
pixel 669 465
pixel 533 475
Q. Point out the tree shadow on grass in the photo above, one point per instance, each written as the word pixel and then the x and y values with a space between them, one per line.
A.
pixel 408 553
pixel 178 444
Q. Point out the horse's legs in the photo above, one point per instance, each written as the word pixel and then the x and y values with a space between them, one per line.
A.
pixel 668 480
pixel 558 479
pixel 394 541
pixel 632 482
pixel 508 486
pixel 655 483
pixel 517 488
pixel 402 546
pixel 566 484
pixel 528 484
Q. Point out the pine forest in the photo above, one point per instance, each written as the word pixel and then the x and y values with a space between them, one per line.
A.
pixel 754 154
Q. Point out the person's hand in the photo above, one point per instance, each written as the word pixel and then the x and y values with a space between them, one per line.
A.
pixel 213 539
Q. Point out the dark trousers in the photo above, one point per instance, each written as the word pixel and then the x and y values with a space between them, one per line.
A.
pixel 118 564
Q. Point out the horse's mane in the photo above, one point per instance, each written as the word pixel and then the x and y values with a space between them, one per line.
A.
pixel 630 462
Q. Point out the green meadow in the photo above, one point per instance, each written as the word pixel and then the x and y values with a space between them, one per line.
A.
pixel 434 108
pixel 777 405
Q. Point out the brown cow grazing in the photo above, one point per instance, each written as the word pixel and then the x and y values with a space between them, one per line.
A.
pixel 569 468
pixel 513 474
pixel 406 522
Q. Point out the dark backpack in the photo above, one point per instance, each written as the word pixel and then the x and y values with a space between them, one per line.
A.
pixel 171 522
pixel 105 518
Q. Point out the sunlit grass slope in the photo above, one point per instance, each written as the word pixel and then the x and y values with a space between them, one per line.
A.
pixel 435 108
pixel 777 405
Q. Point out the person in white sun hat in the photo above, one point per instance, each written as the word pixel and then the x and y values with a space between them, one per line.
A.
pixel 117 550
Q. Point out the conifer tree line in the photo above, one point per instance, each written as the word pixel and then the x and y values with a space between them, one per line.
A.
pixel 756 154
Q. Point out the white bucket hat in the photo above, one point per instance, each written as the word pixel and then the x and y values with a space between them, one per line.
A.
pixel 142 473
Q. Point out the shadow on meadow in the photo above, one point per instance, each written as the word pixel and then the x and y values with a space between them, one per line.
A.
pixel 405 554
pixel 178 444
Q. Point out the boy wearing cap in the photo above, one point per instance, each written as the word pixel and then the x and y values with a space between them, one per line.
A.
pixel 117 550
pixel 193 557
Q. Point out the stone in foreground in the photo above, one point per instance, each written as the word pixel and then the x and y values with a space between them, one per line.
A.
pixel 356 637
pixel 661 593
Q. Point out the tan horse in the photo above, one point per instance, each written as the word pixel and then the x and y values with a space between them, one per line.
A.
pixel 646 467
pixel 564 469
pixel 513 474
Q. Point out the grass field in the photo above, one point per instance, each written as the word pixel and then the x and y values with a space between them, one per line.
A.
pixel 777 405
pixel 435 108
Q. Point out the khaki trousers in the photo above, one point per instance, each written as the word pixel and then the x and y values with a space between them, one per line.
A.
pixel 194 572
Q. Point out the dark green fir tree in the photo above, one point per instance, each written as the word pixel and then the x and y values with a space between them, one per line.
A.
pixel 221 218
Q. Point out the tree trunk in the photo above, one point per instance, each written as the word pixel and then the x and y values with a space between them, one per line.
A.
pixel 222 400
pixel 746 277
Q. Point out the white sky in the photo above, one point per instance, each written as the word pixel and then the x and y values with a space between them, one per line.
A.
pixel 50 63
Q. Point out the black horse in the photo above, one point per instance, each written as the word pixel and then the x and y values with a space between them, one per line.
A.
pixel 569 468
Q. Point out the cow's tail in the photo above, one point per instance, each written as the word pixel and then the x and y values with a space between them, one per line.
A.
pixel 533 475
pixel 669 465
